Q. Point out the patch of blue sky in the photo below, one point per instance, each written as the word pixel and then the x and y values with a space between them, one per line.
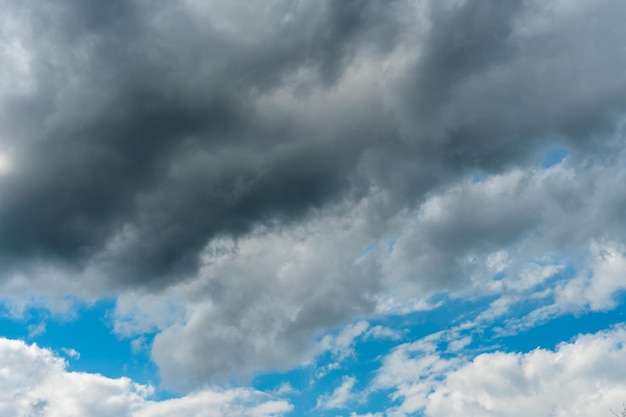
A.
pixel 477 176
pixel 362 367
pixel 12 328
pixel 86 340
pixel 561 329
pixel 391 244
pixel 373 246
pixel 553 155
pixel 370 353
pixel 369 248
pixel 294 385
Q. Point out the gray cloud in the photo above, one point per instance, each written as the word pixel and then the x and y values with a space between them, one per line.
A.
pixel 122 102
pixel 140 136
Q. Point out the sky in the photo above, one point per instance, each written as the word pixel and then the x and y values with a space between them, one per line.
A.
pixel 281 208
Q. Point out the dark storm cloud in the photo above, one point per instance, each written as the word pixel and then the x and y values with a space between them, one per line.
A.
pixel 145 135
pixel 471 39
pixel 490 87
pixel 228 194
pixel 120 96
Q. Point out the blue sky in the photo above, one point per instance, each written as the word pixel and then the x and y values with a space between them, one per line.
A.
pixel 270 208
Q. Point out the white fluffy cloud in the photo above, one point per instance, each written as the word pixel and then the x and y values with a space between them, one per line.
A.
pixel 34 382
pixel 581 378
pixel 595 288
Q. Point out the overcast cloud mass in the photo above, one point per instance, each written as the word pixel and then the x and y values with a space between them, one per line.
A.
pixel 245 179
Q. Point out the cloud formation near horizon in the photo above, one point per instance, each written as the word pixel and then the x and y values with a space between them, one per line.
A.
pixel 35 382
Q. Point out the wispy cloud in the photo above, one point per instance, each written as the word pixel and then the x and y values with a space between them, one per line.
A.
pixel 339 397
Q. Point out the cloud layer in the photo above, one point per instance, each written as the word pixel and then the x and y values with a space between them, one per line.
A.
pixel 271 170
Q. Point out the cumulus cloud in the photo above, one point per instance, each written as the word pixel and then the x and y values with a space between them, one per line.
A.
pixel 35 382
pixel 596 288
pixel 578 378
pixel 581 378
pixel 244 177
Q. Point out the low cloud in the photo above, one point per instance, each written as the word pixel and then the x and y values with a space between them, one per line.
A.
pixel 36 382
pixel 579 378
pixel 582 378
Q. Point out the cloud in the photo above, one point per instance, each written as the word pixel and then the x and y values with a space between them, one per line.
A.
pixel 596 288
pixel 71 353
pixel 509 235
pixel 578 378
pixel 127 142
pixel 36 383
pixel 236 403
pixel 291 293
pixel 382 332
pixel 244 177
pixel 146 169
pixel 339 397
pixel 35 330
pixel 411 371
pixel 342 345
pixel 353 414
